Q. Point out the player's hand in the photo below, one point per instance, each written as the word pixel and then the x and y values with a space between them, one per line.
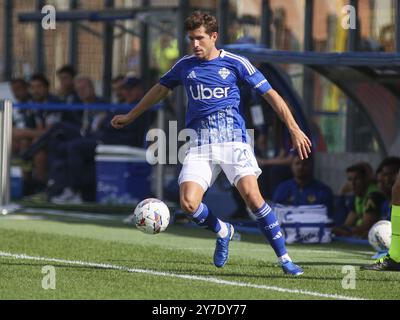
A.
pixel 119 121
pixel 301 143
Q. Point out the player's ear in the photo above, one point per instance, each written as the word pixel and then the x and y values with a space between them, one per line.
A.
pixel 214 36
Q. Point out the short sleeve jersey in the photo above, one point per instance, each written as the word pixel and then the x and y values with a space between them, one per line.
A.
pixel 212 88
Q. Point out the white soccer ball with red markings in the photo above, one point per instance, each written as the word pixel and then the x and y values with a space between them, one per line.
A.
pixel 380 235
pixel 151 216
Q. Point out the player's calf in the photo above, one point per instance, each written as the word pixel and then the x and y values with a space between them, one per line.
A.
pixel 204 218
pixel 269 226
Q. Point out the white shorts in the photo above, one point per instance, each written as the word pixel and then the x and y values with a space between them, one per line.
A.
pixel 203 164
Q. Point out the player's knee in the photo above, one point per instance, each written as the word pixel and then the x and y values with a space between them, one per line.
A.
pixel 189 204
pixel 252 199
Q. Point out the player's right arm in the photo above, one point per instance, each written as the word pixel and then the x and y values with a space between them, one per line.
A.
pixel 157 93
pixel 257 81
pixel 299 139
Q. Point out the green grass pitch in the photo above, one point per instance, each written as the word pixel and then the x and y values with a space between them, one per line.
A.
pixel 104 259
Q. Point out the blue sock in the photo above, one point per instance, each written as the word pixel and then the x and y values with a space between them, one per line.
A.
pixel 204 218
pixel 271 229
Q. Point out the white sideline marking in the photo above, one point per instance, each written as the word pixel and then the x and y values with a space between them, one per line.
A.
pixel 181 276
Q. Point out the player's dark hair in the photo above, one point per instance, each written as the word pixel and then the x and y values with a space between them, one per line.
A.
pixel 40 77
pixel 198 19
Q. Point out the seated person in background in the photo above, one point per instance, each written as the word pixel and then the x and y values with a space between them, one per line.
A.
pixel 23 132
pixel 80 153
pixel 303 189
pixel 20 90
pixel 117 89
pixel 22 119
pixel 382 199
pixel 362 214
pixel 91 119
pixel 66 92
pixel 34 122
pixel 345 200
pixel 56 138
pixel 40 90
pixel 68 130
pixel 347 187
pixel 40 120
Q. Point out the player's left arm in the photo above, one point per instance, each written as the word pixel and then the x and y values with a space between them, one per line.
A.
pixel 300 141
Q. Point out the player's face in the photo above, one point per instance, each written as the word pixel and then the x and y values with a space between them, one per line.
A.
pixel 202 43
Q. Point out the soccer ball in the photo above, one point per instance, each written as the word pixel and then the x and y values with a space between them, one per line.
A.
pixel 380 235
pixel 151 216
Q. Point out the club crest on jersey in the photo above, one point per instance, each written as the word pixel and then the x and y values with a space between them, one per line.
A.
pixel 224 73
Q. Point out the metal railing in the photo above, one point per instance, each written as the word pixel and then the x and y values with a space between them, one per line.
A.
pixel 5 156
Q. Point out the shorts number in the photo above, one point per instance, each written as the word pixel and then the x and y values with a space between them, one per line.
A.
pixel 243 156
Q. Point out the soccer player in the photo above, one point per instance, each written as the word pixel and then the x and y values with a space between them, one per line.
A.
pixel 391 262
pixel 211 77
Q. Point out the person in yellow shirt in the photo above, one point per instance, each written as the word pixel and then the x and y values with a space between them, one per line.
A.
pixel 165 53
pixel 363 213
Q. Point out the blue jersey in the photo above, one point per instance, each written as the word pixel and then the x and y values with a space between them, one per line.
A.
pixel 289 193
pixel 213 94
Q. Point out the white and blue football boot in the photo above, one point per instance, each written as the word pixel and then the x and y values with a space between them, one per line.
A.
pixel 291 268
pixel 221 252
